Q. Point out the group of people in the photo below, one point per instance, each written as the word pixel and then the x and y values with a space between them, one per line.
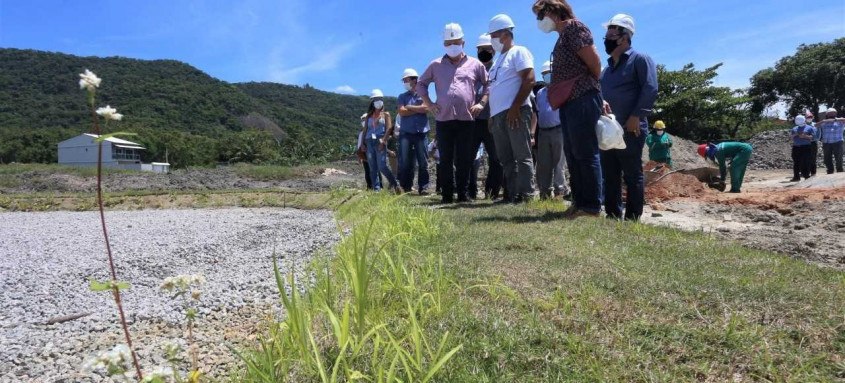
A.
pixel 806 136
pixel 530 129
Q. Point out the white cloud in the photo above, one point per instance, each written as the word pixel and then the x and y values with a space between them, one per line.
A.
pixel 282 70
pixel 344 89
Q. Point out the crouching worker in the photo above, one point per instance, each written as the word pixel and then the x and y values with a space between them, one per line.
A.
pixel 738 152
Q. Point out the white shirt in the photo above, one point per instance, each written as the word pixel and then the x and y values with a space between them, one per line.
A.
pixel 505 79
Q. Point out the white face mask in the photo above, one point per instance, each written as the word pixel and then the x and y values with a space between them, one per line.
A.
pixel 659 132
pixel 547 77
pixel 454 50
pixel 497 44
pixel 408 86
pixel 363 123
pixel 547 25
pixel 378 104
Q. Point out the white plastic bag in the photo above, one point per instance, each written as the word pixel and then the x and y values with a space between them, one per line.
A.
pixel 610 133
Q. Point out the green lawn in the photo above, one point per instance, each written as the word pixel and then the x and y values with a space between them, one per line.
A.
pixel 534 298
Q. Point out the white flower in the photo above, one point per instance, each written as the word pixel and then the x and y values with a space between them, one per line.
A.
pixel 109 113
pixel 89 80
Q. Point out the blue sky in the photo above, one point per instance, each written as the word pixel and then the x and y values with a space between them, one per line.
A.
pixel 353 46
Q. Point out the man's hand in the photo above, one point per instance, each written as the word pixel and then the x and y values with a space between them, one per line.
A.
pixel 382 144
pixel 433 108
pixel 606 108
pixel 513 117
pixel 476 109
pixel 633 125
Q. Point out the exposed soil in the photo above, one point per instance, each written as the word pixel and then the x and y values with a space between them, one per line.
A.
pixel 805 220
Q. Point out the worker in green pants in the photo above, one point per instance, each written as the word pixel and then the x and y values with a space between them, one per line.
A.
pixel 738 152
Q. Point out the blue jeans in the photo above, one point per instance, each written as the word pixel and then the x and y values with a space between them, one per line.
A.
pixel 412 146
pixel 377 159
pixel 578 119
pixel 625 164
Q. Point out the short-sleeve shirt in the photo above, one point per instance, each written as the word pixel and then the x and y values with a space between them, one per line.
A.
pixel 566 64
pixel 505 79
pixel 417 122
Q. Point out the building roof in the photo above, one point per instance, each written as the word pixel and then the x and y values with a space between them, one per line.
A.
pixel 118 142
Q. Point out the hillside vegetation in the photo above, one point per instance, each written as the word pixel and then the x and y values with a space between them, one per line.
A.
pixel 195 118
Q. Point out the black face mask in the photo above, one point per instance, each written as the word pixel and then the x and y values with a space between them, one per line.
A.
pixel 485 56
pixel 610 45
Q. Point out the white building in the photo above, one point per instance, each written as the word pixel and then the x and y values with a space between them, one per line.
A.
pixel 117 153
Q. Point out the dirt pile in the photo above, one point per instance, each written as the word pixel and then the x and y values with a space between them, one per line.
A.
pixel 684 154
pixel 663 185
pixel 773 150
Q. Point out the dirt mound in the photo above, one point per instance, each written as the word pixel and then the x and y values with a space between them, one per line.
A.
pixel 684 154
pixel 663 185
pixel 773 150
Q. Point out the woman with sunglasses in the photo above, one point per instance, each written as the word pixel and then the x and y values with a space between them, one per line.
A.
pixel 574 89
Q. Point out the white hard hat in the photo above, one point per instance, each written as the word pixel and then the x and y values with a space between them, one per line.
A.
pixel 547 67
pixel 499 22
pixel 621 20
pixel 452 31
pixel 484 40
pixel 800 120
pixel 376 93
pixel 364 116
pixel 410 72
pixel 830 110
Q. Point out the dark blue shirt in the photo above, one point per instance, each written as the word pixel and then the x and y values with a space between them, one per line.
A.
pixel 630 87
pixel 416 123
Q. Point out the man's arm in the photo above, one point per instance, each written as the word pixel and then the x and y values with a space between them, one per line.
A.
pixel 481 75
pixel 527 76
pixel 647 74
pixel 422 87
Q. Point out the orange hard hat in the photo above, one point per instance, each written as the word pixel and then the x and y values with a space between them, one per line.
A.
pixel 702 149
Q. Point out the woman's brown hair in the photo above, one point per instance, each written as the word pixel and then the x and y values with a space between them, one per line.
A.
pixel 557 7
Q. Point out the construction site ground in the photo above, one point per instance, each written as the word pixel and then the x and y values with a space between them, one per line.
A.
pixel 805 220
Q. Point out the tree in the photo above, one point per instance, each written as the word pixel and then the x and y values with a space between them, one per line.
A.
pixel 692 107
pixel 813 76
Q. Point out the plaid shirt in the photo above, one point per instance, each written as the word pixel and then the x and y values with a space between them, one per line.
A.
pixel 831 131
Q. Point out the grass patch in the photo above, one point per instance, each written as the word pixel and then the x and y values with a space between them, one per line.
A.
pixel 524 296
pixel 82 171
pixel 138 200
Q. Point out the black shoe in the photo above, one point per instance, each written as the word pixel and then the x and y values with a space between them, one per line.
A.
pixel 464 198
pixel 795 180
pixel 447 200
pixel 567 197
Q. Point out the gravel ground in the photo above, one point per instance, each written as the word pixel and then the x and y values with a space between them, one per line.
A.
pixel 46 258
pixel 196 179
pixel 773 150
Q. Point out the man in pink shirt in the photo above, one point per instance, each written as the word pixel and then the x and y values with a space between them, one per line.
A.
pixel 456 77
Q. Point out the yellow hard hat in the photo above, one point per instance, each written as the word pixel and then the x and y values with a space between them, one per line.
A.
pixel 659 125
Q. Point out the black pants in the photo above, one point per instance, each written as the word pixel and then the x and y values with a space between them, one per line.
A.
pixel 801 161
pixel 814 156
pixel 495 175
pixel 454 141
pixel 833 156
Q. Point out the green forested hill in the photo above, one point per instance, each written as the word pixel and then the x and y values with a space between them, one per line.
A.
pixel 172 106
